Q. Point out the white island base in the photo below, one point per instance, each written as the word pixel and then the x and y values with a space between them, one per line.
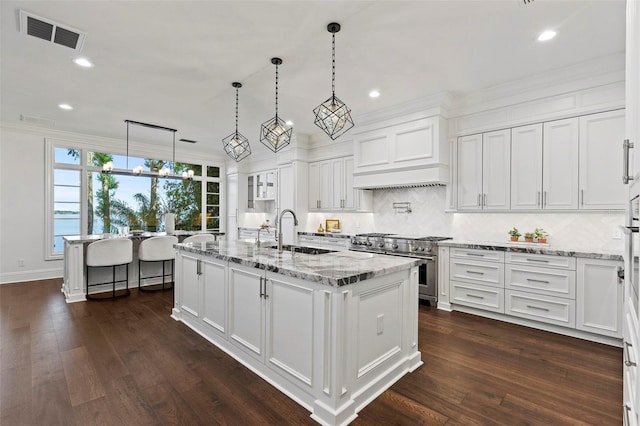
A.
pixel 332 349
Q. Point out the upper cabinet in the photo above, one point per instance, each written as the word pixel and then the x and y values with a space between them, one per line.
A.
pixel 600 154
pixel 331 186
pixel 483 171
pixel 569 164
pixel 261 186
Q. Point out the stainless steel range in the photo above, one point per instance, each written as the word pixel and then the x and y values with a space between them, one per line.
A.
pixel 407 246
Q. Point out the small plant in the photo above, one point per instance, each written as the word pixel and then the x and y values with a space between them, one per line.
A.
pixel 529 236
pixel 540 235
pixel 515 234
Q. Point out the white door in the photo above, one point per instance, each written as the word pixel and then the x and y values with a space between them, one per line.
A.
pixel 337 184
pixel 349 195
pixel 326 186
pixel 246 309
pixel 314 186
pixel 600 154
pixel 214 294
pixel 469 172
pixel 599 297
pixel 526 167
pixel 560 165
pixel 496 167
pixel 190 288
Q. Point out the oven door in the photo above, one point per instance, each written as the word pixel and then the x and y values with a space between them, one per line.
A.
pixel 428 281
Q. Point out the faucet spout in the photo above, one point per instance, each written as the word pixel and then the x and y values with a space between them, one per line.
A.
pixel 295 222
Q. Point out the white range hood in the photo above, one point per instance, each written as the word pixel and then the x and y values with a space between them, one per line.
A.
pixel 410 151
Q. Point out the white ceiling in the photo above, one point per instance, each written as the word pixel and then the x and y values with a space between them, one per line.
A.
pixel 171 63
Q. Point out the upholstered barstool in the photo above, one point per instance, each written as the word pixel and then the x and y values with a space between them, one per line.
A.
pixel 200 238
pixel 111 252
pixel 156 249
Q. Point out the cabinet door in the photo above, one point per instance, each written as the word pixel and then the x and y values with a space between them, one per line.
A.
pixel 190 289
pixel 270 182
pixel 314 186
pixel 496 167
pixel 526 167
pixel 599 297
pixel 289 329
pixel 600 152
pixel 469 172
pixel 349 198
pixel 246 309
pixel 560 165
pixel 337 184
pixel 326 185
pixel 214 294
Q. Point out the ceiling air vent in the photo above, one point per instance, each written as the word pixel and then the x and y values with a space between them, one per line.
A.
pixel 49 30
pixel 37 121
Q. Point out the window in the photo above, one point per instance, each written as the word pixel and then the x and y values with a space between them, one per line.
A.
pixel 83 200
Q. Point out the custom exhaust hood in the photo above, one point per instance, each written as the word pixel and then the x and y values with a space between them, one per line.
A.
pixel 406 152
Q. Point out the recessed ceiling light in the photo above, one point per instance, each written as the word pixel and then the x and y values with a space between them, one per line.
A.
pixel 374 94
pixel 65 106
pixel 83 62
pixel 546 35
pixel 289 123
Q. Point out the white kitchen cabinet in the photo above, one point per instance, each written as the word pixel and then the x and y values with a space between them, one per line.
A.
pixel 484 163
pixel 526 167
pixel 233 195
pixel 247 309
pixel 599 297
pixel 476 279
pixel 331 187
pixel 331 243
pixel 265 182
pixel 560 165
pixel 203 293
pixel 600 154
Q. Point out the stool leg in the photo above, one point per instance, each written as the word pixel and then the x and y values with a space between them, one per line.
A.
pixel 139 274
pixel 113 283
pixel 127 277
pixel 173 267
pixel 87 283
pixel 163 275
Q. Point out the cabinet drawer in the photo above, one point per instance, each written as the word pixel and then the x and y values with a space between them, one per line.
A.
pixel 486 255
pixel 476 296
pixel 548 261
pixel 478 272
pixel 552 310
pixel 551 282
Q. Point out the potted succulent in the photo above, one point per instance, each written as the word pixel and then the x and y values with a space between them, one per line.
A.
pixel 540 235
pixel 529 236
pixel 514 234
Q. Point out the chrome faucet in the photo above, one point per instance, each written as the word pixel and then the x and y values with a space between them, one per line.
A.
pixel 295 222
pixel 266 228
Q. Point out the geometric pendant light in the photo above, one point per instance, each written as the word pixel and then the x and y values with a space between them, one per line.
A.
pixel 274 133
pixel 333 116
pixel 236 145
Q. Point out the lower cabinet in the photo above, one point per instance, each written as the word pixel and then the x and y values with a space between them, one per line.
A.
pixel 582 294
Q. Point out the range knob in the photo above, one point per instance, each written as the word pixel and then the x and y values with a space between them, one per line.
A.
pixel 427 249
pixel 369 243
pixel 380 245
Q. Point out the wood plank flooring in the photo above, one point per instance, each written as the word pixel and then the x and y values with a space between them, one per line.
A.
pixel 126 362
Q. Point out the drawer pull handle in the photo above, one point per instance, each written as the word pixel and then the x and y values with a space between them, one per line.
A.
pixel 538 260
pixel 537 281
pixel 475 254
pixel 627 358
pixel 538 308
pixel 475 296
pixel 625 417
pixel 475 272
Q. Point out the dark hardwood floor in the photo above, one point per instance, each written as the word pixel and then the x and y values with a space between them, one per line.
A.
pixel 126 362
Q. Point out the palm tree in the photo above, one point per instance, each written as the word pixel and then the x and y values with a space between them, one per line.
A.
pixel 152 203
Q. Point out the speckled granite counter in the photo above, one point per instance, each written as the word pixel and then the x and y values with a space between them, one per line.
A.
pixel 532 248
pixel 335 269
pixel 326 234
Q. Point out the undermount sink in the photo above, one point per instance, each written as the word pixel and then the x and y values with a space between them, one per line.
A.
pixel 304 249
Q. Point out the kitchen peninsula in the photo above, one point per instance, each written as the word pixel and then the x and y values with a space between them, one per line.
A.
pixel 331 330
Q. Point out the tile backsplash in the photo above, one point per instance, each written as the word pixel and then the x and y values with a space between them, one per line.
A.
pixel 576 231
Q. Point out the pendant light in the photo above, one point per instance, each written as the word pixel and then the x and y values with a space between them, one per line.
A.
pixel 333 116
pixel 274 133
pixel 236 145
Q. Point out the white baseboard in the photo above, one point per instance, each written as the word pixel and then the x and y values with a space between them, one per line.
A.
pixel 41 274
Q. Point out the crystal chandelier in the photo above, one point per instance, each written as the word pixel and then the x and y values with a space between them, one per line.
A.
pixel 333 116
pixel 275 133
pixel 235 145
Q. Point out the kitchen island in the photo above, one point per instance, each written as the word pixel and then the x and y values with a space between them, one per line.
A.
pixel 330 330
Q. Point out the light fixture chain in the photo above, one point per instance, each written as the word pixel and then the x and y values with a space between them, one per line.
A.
pixel 236 110
pixel 333 64
pixel 276 92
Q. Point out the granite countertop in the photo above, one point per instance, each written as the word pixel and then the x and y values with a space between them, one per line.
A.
pixel 77 239
pixel 326 234
pixel 533 248
pixel 335 269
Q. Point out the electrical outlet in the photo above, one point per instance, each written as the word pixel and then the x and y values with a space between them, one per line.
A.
pixel 21 263
pixel 380 323
pixel 617 233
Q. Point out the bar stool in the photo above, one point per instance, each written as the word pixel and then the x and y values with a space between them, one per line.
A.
pixel 156 249
pixel 110 252
pixel 199 238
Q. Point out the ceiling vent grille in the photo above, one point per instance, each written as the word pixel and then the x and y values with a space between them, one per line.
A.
pixel 37 121
pixel 417 185
pixel 49 30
